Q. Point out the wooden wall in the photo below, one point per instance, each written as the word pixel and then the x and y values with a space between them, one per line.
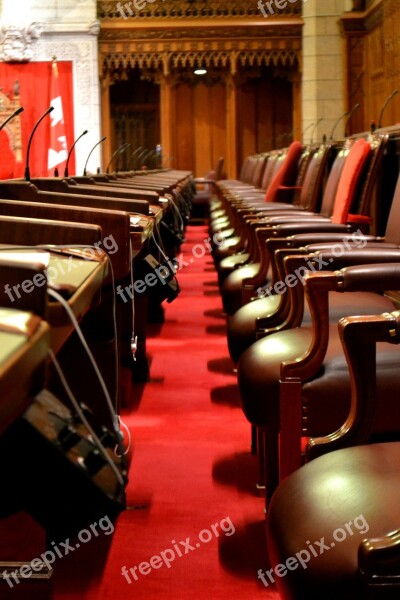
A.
pixel 199 126
pixel 264 115
pixel 373 59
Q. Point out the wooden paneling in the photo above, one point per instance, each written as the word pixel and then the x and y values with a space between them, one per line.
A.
pixel 200 126
pixel 265 115
pixel 373 54
pixel 182 130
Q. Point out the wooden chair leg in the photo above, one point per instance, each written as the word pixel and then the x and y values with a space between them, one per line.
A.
pixel 271 463
pixel 253 440
pixel 260 441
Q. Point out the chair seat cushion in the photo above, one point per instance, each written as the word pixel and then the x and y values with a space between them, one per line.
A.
pixel 326 395
pixel 241 330
pixel 231 289
pixel 355 486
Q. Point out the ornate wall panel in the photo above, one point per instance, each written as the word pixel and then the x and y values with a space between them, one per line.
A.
pixel 373 56
pixel 167 40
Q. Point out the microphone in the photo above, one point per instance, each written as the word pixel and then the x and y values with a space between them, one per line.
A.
pixel 140 158
pixel 70 152
pixel 15 114
pixel 90 153
pixel 306 129
pixel 337 123
pixel 147 156
pixel 353 110
pixel 118 151
pixel 388 99
pixel 27 170
pixel 315 127
pixel 133 163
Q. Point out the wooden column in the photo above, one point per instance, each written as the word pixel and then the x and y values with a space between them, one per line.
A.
pixel 166 118
pixel 231 128
pixel 106 120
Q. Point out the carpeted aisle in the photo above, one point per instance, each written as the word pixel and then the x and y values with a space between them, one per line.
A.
pixel 191 468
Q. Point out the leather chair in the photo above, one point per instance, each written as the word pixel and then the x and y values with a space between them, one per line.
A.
pixel 360 156
pixel 334 523
pixel 309 185
pixel 280 189
pixel 250 322
pixel 295 382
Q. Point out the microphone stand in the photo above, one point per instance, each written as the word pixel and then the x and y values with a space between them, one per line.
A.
pixel 353 110
pixel 27 169
pixel 315 127
pixel 70 152
pixel 388 99
pixel 337 123
pixel 15 114
pixel 306 129
pixel 90 153
pixel 118 151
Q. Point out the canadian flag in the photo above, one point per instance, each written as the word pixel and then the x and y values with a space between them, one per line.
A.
pixel 58 154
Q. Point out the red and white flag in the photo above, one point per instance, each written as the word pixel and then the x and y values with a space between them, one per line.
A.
pixel 58 154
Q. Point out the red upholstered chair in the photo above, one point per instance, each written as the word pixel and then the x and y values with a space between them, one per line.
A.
pixel 295 382
pixel 282 183
pixel 309 182
pixel 361 162
pixel 250 322
pixel 335 523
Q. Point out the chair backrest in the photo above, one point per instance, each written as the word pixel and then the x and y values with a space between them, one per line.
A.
pixel 286 176
pixel 259 170
pixel 392 234
pixel 219 170
pixel 349 179
pixel 274 163
pixel 246 166
pixel 311 183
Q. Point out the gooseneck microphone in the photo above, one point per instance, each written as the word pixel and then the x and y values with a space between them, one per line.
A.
pixel 117 152
pixel 315 127
pixel 133 157
pixel 306 129
pixel 90 153
pixel 337 123
pixel 15 114
pixel 388 99
pixel 353 110
pixel 70 152
pixel 27 170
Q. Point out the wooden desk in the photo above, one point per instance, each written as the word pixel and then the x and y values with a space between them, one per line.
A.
pixel 24 341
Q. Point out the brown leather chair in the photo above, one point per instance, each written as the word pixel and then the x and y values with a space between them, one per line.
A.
pixel 357 159
pixel 295 382
pixel 250 322
pixel 333 525
pixel 280 188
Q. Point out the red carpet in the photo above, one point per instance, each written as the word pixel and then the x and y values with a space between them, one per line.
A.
pixel 191 492
pixel 191 468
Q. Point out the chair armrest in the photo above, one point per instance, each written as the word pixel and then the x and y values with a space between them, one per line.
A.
pixel 366 277
pixel 359 336
pixel 379 564
pixel 290 229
